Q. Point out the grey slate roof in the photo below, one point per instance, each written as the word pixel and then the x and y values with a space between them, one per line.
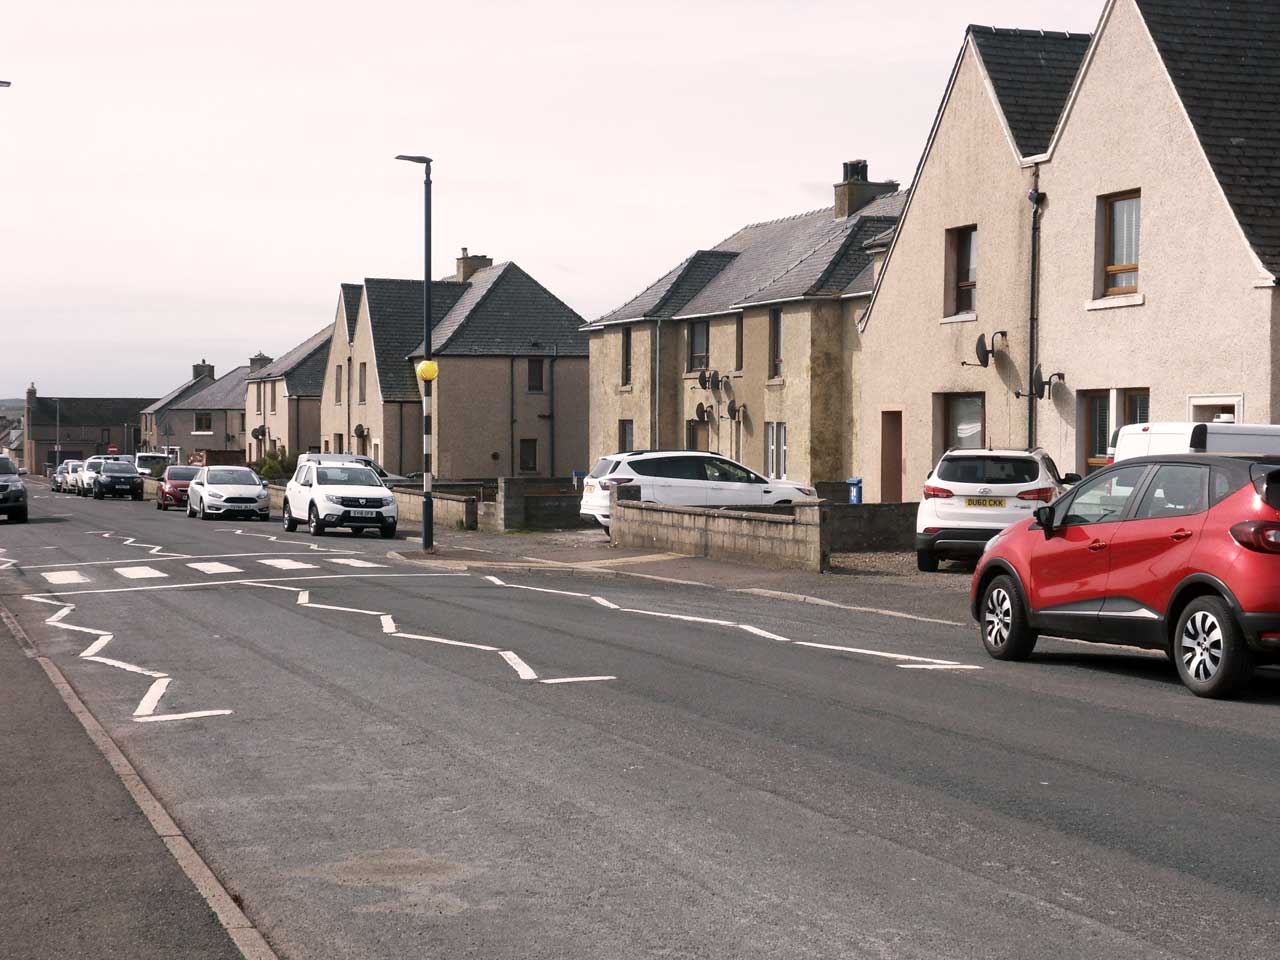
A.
pixel 225 393
pixel 351 307
pixel 395 317
pixel 1032 72
pixel 88 411
pixel 184 391
pixel 1224 59
pixel 303 367
pixel 863 283
pixel 808 255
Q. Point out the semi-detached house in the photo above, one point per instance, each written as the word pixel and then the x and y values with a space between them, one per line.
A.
pixel 1102 209
pixel 282 399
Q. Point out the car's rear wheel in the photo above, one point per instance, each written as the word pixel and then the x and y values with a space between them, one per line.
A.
pixel 1213 658
pixel 926 561
pixel 290 524
pixel 314 526
pixel 1006 634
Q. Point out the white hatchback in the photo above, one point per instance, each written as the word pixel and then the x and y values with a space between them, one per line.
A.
pixel 326 495
pixel 971 495
pixel 228 491
pixel 686 478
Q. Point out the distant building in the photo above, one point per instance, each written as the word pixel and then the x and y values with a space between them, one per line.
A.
pixel 282 399
pixel 209 425
pixel 159 427
pixel 73 428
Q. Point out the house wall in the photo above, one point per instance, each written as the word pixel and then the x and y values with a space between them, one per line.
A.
pixel 40 442
pixel 610 400
pixel 334 416
pixel 294 425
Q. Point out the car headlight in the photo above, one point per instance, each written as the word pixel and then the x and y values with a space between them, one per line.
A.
pixel 388 501
pixel 336 501
pixel 214 495
pixel 807 491
pixel 263 495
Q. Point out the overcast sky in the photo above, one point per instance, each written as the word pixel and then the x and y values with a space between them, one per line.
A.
pixel 183 180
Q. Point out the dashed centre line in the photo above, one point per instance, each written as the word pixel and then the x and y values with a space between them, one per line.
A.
pixel 140 573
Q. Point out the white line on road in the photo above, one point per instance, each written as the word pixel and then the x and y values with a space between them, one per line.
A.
pixel 97 645
pixel 937 666
pixel 875 653
pixel 132 668
pixel 519 586
pixel 325 606
pixel 524 671
pixel 353 562
pixel 211 556
pixel 763 633
pixel 250 581
pixel 452 643
pixel 214 567
pixel 140 573
pixel 182 716
pixel 147 705
pixel 605 603
pixel 681 616
pixel 304 597
pixel 282 564
pixel 388 624
pixel 576 679
pixel 60 614
pixel 65 576
pixel 819 601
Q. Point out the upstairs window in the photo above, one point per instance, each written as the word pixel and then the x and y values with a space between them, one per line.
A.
pixel 1123 236
pixel 699 338
pixel 535 374
pixel 962 271
pixel 273 396
pixel 626 360
pixel 337 384
pixel 363 383
pixel 737 343
pixel 775 343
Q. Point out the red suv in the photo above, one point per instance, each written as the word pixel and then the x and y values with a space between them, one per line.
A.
pixel 1174 553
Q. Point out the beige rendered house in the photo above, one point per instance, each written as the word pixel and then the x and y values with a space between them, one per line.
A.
pixel 749 348
pixel 1102 210
pixel 282 399
pixel 511 395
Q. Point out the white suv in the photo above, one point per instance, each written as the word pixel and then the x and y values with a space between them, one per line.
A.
pixel 971 495
pixel 686 478
pixel 350 495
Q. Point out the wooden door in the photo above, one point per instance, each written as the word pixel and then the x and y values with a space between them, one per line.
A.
pixel 891 456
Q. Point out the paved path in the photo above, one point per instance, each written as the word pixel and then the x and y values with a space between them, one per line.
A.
pixel 396 760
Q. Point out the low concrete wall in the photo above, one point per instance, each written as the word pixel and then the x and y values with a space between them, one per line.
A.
pixel 760 538
pixel 869 527
pixel 554 512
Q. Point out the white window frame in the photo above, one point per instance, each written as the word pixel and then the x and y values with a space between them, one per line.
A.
pixel 775 449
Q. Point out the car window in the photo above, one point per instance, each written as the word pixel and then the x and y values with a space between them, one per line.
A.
pixel 1100 499
pixel 1053 470
pixel 6 466
pixel 238 477
pixel 181 473
pixel 670 468
pixel 1220 486
pixel 725 471
pixel 989 469
pixel 604 466
pixel 1176 490
pixel 113 467
pixel 347 477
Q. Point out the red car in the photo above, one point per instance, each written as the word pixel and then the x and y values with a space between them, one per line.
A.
pixel 173 487
pixel 1175 553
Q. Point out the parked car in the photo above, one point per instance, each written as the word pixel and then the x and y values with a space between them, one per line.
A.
pixel 682 478
pixel 173 487
pixel 117 478
pixel 13 492
pixel 58 479
pixel 146 462
pixel 389 479
pixel 1150 439
pixel 87 474
pixel 71 479
pixel 228 492
pixel 1175 553
pixel 971 495
pixel 347 495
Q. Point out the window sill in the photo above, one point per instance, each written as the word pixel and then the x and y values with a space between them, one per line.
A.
pixel 969 317
pixel 202 433
pixel 776 382
pixel 1114 302
pixel 693 374
pixel 625 388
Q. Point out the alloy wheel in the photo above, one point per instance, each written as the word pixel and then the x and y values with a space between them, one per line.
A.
pixel 997 618
pixel 1202 644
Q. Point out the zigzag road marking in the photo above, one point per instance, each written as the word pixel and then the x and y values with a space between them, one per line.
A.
pixel 156 550
pixel 293 543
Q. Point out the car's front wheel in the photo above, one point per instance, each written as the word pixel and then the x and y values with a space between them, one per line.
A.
pixel 1006 634
pixel 1213 658
pixel 19 516
pixel 204 514
pixel 388 531
pixel 314 526
pixel 926 561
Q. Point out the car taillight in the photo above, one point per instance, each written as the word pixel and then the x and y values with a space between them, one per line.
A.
pixel 1257 535
pixel 937 493
pixel 1044 494
pixel 1110 460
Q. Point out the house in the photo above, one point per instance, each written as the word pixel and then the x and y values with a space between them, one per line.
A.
pixel 74 428
pixel 745 348
pixel 510 399
pixel 282 399
pixel 158 428
pixel 209 425
pixel 1138 282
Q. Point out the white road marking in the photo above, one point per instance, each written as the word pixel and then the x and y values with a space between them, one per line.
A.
pixel 282 564
pixel 520 586
pixel 819 601
pixel 522 669
pixel 60 614
pixel 304 597
pixel 876 653
pixel 325 606
pixel 140 573
pixel 270 586
pixel 65 576
pixel 495 581
pixel 132 668
pixel 79 629
pixel 576 679
pixel 182 716
pixel 248 581
pixel 605 603
pixel 214 567
pixel 315 547
pixel 937 666
pixel 109 563
pixel 353 562
pixel 681 616
pixel 388 624
pixel 97 645
pixel 763 633
pixel 155 550
pixel 147 705
pixel 452 643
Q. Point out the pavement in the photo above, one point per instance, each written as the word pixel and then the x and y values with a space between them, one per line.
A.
pixel 481 755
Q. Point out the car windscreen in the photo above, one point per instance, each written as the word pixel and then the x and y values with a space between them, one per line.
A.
pixel 347 477
pixel 6 466
pixel 124 468
pixel 979 469
pixel 182 473
pixel 244 478
pixel 604 466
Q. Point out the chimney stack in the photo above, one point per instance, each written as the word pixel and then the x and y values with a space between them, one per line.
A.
pixel 856 191
pixel 202 369
pixel 469 264
pixel 260 361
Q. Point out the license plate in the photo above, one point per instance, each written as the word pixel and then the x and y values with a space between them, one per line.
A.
pixel 364 513
pixel 984 501
pixel 589 487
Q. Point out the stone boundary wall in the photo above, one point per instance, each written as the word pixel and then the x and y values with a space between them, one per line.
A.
pixel 870 527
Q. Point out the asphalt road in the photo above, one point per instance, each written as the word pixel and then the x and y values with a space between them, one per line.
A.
pixel 369 757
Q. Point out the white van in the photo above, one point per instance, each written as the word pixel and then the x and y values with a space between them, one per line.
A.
pixel 1149 439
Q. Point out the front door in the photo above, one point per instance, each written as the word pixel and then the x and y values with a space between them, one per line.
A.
pixel 1069 570
pixel 891 456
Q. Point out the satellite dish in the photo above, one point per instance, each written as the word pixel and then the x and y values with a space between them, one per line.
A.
pixel 701 412
pixel 981 351
pixel 702 379
pixel 734 410
pixel 715 380
pixel 258 433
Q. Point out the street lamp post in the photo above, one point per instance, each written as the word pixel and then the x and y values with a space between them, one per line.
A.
pixel 428 505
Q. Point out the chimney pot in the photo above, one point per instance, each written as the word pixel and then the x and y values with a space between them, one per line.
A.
pixel 855 191
pixel 469 263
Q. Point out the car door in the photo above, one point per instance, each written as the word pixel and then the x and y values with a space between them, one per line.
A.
pixel 729 485
pixel 195 492
pixel 1070 567
pixel 300 491
pixel 1151 552
pixel 678 481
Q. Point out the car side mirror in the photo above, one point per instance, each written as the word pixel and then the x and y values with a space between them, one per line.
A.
pixel 1072 478
pixel 1044 517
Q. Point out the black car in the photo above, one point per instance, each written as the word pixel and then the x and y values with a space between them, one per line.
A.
pixel 13 492
pixel 117 479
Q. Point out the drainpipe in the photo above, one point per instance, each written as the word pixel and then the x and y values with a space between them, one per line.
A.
pixel 511 393
pixel 655 384
pixel 551 397
pixel 1033 314
pixel 347 442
